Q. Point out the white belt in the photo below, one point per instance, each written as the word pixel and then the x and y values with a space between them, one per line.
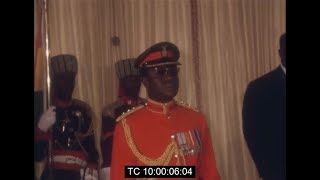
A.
pixel 69 160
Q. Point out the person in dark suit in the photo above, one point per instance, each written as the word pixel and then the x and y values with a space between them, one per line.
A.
pixel 264 120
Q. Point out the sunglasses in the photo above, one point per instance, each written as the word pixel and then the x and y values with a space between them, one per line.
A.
pixel 166 70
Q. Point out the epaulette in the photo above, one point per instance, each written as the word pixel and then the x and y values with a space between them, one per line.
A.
pixel 130 111
pixel 181 103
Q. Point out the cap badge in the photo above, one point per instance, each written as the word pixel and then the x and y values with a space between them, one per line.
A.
pixel 164 52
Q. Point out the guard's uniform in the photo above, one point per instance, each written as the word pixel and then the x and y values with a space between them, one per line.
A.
pixel 130 80
pixel 69 144
pixel 73 145
pixel 156 134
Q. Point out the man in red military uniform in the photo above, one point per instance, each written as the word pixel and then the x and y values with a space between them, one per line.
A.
pixel 162 132
pixel 64 132
pixel 128 97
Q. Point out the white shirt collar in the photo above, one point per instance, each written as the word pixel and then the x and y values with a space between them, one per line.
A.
pixel 283 68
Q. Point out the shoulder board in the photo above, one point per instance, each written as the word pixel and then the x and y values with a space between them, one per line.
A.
pixel 134 109
pixel 183 104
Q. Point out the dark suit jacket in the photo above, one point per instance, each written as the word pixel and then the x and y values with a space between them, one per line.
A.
pixel 264 123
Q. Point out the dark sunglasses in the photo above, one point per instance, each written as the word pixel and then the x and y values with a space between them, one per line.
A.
pixel 167 70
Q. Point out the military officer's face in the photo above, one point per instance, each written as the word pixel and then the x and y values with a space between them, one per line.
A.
pixel 162 83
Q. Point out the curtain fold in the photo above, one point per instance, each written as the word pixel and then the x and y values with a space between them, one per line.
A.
pixel 238 42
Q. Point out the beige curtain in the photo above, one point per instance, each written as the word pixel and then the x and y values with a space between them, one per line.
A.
pixel 238 42
pixel 229 43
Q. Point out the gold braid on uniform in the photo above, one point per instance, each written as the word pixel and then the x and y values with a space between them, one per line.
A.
pixel 181 103
pixel 132 110
pixel 163 160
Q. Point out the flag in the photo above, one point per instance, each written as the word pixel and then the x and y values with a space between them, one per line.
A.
pixel 38 60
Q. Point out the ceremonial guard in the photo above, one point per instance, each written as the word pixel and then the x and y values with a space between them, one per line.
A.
pixel 128 97
pixel 65 133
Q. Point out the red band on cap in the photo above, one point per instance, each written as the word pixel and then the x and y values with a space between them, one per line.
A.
pixel 156 55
